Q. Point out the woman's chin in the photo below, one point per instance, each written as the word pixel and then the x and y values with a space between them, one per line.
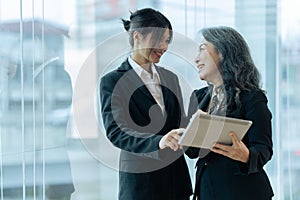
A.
pixel 201 77
pixel 155 60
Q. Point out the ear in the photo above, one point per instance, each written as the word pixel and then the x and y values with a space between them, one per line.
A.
pixel 136 36
pixel 221 56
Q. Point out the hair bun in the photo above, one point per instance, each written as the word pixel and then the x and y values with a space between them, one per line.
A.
pixel 126 24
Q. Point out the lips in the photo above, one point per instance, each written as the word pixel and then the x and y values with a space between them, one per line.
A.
pixel 158 54
pixel 200 67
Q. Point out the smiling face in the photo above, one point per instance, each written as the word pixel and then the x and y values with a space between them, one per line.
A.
pixel 208 62
pixel 144 52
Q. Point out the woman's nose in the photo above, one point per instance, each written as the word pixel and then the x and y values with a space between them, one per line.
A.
pixel 197 59
pixel 163 45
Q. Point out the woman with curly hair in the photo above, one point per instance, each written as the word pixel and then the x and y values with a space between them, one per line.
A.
pixel 231 172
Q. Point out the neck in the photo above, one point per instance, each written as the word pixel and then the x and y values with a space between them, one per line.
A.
pixel 218 89
pixel 145 65
pixel 218 83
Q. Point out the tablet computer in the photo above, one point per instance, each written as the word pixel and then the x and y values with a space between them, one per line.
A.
pixel 204 130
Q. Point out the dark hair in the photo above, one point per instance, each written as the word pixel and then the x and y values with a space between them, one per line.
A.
pixel 147 21
pixel 237 67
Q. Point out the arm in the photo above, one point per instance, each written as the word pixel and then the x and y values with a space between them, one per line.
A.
pixel 260 134
pixel 192 152
pixel 256 148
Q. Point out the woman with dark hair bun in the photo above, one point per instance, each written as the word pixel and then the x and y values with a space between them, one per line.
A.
pixel 232 172
pixel 142 112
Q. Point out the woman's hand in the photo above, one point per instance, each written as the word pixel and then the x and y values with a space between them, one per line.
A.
pixel 171 139
pixel 201 112
pixel 237 151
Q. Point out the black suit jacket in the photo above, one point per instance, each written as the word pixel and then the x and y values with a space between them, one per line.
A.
pixel 135 123
pixel 221 178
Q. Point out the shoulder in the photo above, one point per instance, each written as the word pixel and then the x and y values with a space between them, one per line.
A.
pixel 200 93
pixel 253 96
pixel 113 75
pixel 116 74
pixel 166 72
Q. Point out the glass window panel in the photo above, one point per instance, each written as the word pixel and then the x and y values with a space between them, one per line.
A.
pixel 43 154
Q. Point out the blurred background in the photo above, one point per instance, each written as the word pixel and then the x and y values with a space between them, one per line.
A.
pixel 46 47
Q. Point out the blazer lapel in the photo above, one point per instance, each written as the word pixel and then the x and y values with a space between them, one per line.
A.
pixel 164 87
pixel 203 105
pixel 134 79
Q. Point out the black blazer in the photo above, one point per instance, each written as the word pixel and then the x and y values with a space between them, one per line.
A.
pixel 221 178
pixel 135 123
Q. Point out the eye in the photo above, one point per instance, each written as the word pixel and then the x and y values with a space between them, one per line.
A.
pixel 202 47
pixel 168 40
